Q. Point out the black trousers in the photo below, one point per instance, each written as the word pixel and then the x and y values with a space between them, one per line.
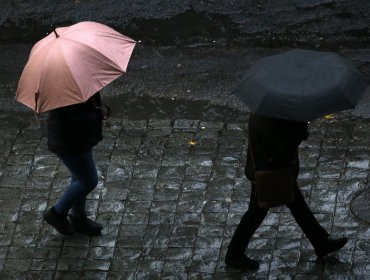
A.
pixel 255 215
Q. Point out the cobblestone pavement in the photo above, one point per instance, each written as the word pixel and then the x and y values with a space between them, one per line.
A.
pixel 171 193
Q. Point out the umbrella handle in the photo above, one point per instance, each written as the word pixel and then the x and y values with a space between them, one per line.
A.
pixel 37 94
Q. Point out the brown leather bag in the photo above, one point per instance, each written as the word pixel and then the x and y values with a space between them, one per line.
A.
pixel 274 187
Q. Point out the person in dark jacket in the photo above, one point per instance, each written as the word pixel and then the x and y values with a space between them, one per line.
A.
pixel 275 145
pixel 72 132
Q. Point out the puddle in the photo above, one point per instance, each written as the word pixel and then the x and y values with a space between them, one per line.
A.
pixel 360 205
pixel 142 108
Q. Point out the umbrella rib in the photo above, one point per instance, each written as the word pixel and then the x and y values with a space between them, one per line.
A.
pixel 66 62
pixel 99 57
pixel 113 64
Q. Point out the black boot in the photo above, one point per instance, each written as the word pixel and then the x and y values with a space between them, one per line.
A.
pixel 84 225
pixel 330 246
pixel 241 261
pixel 58 221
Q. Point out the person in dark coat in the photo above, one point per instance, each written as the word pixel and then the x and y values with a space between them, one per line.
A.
pixel 72 132
pixel 275 145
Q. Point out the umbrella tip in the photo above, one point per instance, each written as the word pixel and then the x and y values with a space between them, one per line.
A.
pixel 55 32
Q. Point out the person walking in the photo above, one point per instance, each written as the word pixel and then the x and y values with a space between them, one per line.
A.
pixel 72 132
pixel 275 145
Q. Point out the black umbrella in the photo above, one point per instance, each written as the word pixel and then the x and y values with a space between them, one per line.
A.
pixel 301 85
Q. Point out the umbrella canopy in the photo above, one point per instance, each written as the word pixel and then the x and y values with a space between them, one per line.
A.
pixel 301 85
pixel 71 64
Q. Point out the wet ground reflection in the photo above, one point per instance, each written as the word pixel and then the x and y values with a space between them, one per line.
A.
pixel 145 107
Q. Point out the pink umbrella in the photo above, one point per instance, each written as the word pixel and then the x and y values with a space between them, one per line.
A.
pixel 73 63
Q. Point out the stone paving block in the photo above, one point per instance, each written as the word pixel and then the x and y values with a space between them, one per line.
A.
pixel 161 218
pixel 216 206
pixel 120 275
pixel 198 172
pixel 137 206
pixel 124 265
pixel 187 219
pixel 156 241
pixel 135 218
pixel 203 150
pixel 186 124
pixel 220 171
pixel 174 173
pixel 146 171
pixel 182 241
pixel 170 195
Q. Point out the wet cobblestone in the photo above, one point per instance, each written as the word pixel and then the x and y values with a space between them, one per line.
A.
pixel 170 195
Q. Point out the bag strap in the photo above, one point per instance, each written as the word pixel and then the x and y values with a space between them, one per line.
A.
pixel 251 149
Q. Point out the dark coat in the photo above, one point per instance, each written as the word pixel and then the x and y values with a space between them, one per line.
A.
pixel 275 143
pixel 76 128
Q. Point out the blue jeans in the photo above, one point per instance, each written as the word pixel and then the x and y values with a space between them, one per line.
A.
pixel 84 178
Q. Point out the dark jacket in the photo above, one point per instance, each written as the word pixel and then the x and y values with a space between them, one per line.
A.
pixel 76 128
pixel 275 143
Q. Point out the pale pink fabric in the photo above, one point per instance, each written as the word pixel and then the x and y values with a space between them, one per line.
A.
pixel 69 69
